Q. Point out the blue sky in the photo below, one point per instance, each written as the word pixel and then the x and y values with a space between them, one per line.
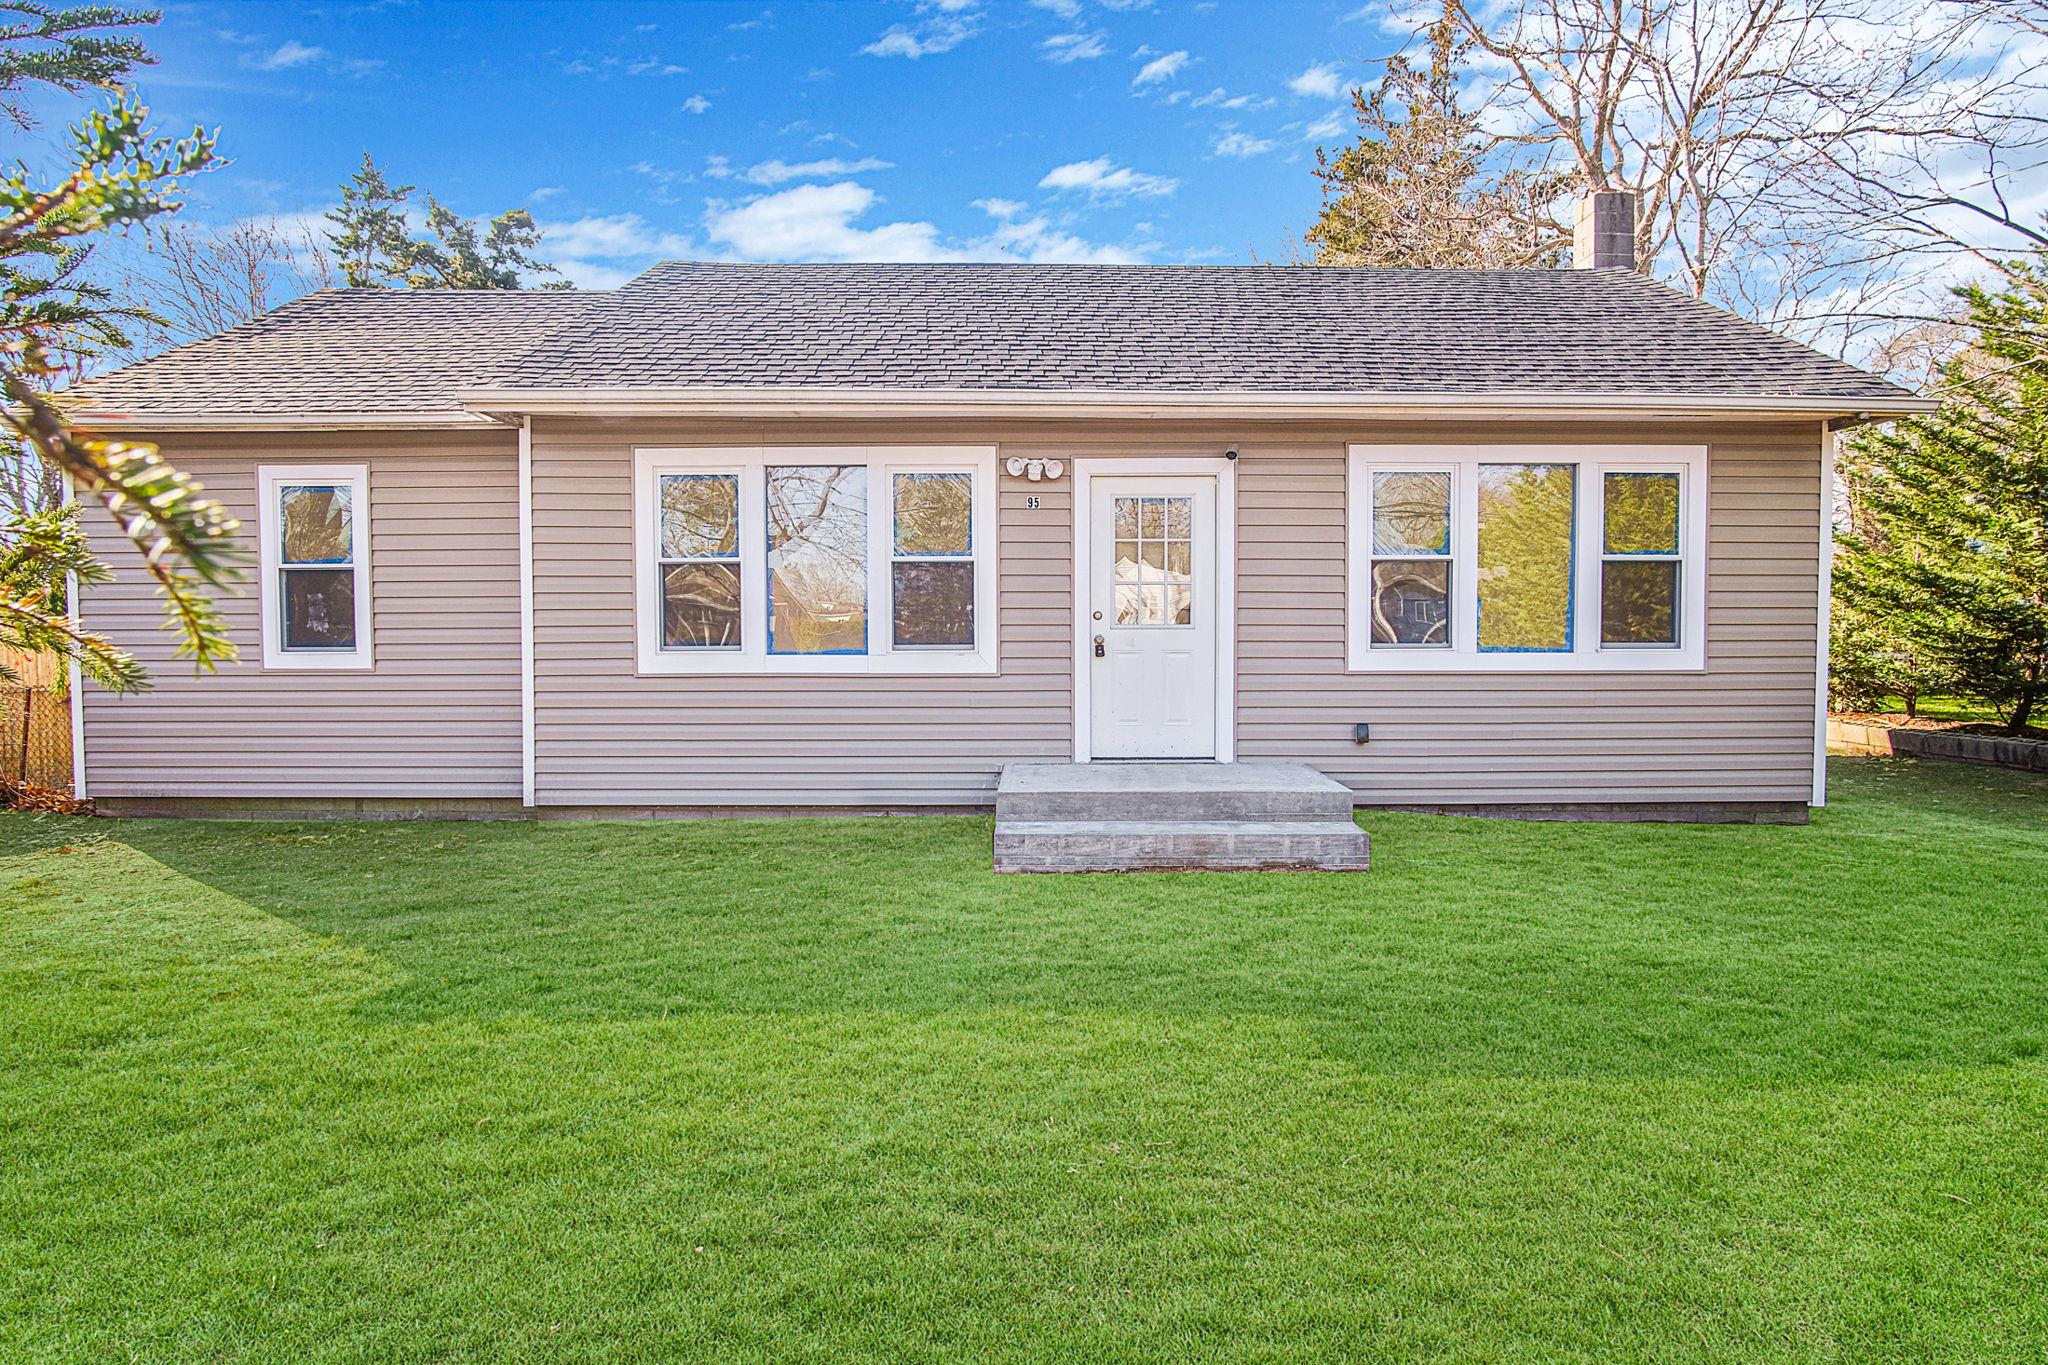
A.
pixel 947 129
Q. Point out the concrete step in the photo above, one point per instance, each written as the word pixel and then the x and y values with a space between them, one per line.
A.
pixel 1180 845
pixel 1170 791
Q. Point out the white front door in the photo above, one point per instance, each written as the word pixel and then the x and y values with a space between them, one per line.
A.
pixel 1153 617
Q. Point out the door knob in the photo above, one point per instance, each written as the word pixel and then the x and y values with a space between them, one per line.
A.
pixel 1098 646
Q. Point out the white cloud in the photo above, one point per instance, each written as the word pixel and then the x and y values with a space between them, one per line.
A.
pixel 1318 82
pixel 289 54
pixel 778 172
pixel 1223 99
pixel 611 237
pixel 1236 144
pixel 655 66
pixel 1065 9
pixel 1039 243
pixel 1074 47
pixel 1000 208
pixel 1162 68
pixel 819 223
pixel 944 25
pixel 717 167
pixel 815 223
pixel 544 192
pixel 1102 178
pixel 696 104
pixel 1330 125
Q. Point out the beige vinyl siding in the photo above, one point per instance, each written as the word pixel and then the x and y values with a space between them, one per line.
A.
pixel 1742 731
pixel 606 736
pixel 438 716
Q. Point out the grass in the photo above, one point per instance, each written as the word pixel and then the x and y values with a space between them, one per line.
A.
pixel 809 1090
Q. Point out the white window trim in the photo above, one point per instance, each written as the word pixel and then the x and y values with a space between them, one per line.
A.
pixel 269 479
pixel 750 464
pixel 1587 654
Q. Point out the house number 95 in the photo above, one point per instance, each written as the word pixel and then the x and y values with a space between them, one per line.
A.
pixel 1031 501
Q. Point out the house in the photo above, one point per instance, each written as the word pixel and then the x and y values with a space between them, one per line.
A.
pixel 855 537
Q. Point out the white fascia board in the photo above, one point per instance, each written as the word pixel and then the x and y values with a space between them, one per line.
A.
pixel 112 423
pixel 827 402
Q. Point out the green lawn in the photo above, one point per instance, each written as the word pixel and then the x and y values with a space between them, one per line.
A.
pixel 808 1090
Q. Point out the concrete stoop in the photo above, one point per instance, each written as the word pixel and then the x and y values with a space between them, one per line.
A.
pixel 1162 817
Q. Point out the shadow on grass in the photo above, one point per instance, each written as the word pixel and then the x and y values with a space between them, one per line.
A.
pixel 1903 930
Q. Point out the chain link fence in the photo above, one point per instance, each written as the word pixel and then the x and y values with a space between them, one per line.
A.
pixel 35 723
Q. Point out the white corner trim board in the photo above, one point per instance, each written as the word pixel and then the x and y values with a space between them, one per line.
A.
pixel 1457 646
pixel 1825 617
pixel 526 750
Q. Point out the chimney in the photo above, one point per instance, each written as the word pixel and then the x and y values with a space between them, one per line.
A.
pixel 1604 232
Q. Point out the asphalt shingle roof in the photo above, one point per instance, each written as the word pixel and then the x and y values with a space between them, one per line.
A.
pixel 342 351
pixel 1058 328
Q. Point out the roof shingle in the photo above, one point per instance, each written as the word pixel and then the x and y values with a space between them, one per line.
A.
pixel 996 328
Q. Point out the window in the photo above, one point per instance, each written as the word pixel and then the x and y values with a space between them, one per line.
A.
pixel 314 543
pixel 1411 558
pixel 1527 558
pixel 1155 580
pixel 932 571
pixel 854 559
pixel 1639 560
pixel 699 561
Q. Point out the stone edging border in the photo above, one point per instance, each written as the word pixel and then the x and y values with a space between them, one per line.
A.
pixel 1857 738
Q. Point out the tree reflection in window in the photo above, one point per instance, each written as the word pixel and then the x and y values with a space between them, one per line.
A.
pixel 817 559
pixel 1524 563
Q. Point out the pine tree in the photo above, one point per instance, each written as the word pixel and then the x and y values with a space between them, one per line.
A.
pixel 1954 563
pixel 377 250
pixel 1418 187
pixel 370 236
pixel 50 45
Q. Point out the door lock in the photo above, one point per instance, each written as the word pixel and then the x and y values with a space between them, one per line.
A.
pixel 1098 646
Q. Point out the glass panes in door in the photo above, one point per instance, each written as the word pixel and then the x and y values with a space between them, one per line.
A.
pixel 1153 572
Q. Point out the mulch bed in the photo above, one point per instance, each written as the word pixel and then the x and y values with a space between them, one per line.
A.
pixel 1897 721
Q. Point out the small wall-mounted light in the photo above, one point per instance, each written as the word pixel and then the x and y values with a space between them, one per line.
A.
pixel 1035 470
pixel 1361 733
pixel 1230 454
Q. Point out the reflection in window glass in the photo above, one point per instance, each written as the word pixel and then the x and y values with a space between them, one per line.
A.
pixel 699 561
pixel 700 606
pixel 1639 602
pixel 1411 601
pixel 1411 567
pixel 932 574
pixel 933 514
pixel 817 559
pixel 700 516
pixel 1411 514
pixel 934 602
pixel 1154 562
pixel 1641 514
pixel 316 525
pixel 1524 556
pixel 319 609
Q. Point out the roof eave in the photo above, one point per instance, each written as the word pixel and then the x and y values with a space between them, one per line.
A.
pixel 838 402
pixel 132 419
